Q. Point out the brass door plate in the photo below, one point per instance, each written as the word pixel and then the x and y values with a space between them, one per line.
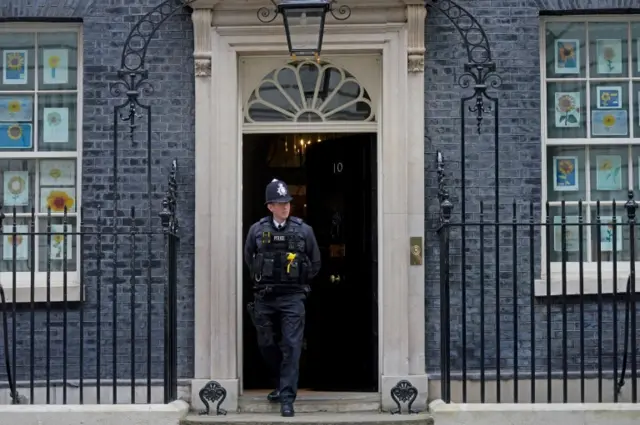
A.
pixel 415 246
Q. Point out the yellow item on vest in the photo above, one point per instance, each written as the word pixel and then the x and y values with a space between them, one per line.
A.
pixel 290 257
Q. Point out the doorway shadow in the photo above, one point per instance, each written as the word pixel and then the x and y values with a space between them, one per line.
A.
pixel 333 182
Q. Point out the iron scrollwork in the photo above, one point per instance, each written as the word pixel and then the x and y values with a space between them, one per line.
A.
pixel 132 75
pixel 269 14
pixel 406 393
pixel 480 70
pixel 213 392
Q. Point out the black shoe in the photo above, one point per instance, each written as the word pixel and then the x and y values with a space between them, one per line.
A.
pixel 274 396
pixel 286 410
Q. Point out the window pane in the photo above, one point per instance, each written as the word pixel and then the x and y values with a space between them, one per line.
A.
pixel 57 124
pixel 634 98
pixel 609 109
pixel 609 172
pixel 635 49
pixel 18 61
pixel 18 185
pixel 565 44
pixel 566 113
pixel 608 49
pixel 57 185
pixel 51 245
pixel 16 123
pixel 570 244
pixel 57 61
pixel 603 240
pixel 635 170
pixel 307 91
pixel 21 249
pixel 565 173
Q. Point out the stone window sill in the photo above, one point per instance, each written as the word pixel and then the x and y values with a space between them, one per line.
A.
pixel 589 278
pixel 56 288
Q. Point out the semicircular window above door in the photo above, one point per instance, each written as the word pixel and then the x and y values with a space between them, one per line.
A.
pixel 309 92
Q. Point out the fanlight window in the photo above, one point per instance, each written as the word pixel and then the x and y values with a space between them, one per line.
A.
pixel 306 91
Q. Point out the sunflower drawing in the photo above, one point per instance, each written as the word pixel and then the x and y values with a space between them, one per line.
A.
pixel 609 54
pixel 57 244
pixel 17 241
pixel 14 107
pixel 609 171
pixel 14 132
pixel 566 168
pixel 15 61
pixel 567 53
pixel 609 121
pixel 54 61
pixel 58 200
pixel 566 105
pixel 55 173
pixel 54 119
pixel 16 186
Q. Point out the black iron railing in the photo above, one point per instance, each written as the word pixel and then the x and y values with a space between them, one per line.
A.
pixel 82 323
pixel 549 307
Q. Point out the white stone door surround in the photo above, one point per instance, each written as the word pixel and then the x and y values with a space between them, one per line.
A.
pixel 224 31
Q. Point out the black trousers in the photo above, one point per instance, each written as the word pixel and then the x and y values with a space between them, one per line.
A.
pixel 280 327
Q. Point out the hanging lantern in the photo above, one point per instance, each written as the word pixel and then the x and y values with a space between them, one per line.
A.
pixel 304 22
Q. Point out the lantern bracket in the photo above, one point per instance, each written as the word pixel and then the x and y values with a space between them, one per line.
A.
pixel 268 14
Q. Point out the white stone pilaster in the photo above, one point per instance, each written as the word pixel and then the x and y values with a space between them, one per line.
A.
pixel 202 56
pixel 416 15
pixel 410 284
pixel 394 185
pixel 216 212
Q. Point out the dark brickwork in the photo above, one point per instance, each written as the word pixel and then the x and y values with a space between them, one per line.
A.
pixel 106 25
pixel 512 27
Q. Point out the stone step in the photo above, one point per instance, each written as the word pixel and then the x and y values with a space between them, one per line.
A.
pixel 362 418
pixel 312 402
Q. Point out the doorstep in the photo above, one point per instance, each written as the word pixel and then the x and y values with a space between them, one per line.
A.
pixel 255 401
pixel 359 418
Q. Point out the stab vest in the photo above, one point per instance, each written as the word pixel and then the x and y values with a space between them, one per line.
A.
pixel 281 257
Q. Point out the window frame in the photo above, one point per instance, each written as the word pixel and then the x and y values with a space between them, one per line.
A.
pixel 56 286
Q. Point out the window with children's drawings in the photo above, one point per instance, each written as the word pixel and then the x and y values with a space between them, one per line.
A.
pixel 591 128
pixel 40 145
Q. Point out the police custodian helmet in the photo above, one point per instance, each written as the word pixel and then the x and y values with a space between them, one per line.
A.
pixel 277 192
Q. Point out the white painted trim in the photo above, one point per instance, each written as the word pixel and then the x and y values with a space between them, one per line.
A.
pixel 590 18
pixel 543 147
pixel 239 229
pixel 326 127
pixel 56 287
pixel 26 27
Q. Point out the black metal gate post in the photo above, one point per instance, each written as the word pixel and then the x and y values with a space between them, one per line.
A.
pixel 170 226
pixel 479 75
pixel 446 210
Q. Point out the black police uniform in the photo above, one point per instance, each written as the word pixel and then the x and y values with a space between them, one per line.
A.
pixel 281 261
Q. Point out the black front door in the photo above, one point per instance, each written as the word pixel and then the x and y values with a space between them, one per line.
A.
pixel 342 308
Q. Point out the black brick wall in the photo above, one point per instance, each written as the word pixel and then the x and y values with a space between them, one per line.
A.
pixel 106 25
pixel 512 27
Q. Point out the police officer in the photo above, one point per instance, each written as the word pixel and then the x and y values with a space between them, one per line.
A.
pixel 283 256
